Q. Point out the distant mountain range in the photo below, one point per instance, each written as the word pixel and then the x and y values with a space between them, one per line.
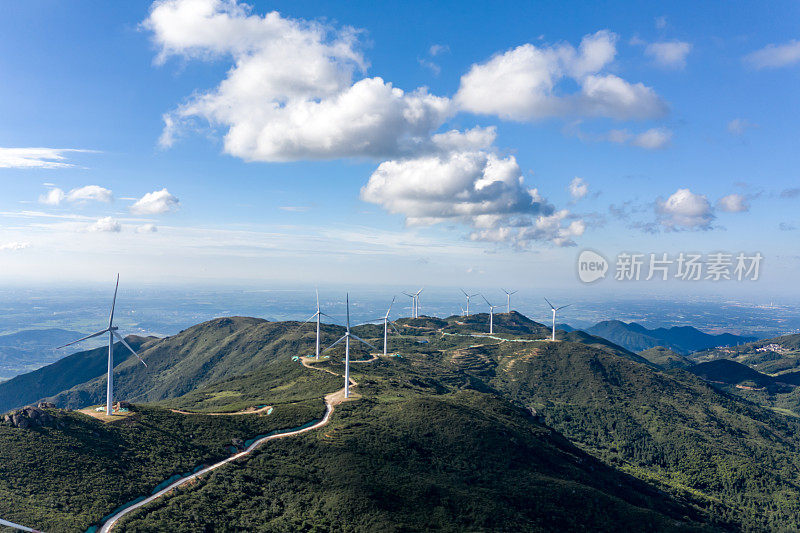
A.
pixel 681 339
pixel 27 350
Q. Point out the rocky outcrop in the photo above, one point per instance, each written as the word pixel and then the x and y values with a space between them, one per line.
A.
pixel 31 417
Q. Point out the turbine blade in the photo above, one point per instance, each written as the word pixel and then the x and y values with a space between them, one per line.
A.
pixel 128 346
pixel 312 317
pixel 465 293
pixel 298 328
pixel 83 339
pixel 562 307
pixel 485 300
pixel 390 306
pixel 548 303
pixel 356 337
pixel 113 304
pixel 327 315
pixel 343 337
pixel 317 291
pixel 395 328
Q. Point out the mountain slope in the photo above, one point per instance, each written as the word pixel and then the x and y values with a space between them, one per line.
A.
pixel 673 429
pixel 65 373
pixel 67 476
pixel 682 339
pixel 731 373
pixel 461 461
pixel 210 352
pixel 665 358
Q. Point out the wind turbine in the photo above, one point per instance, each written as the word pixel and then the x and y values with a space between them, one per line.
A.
pixel 112 332
pixel 316 315
pixel 386 323
pixel 414 303
pixel 554 315
pixel 491 314
pixel 468 297
pixel 508 299
pixel 346 339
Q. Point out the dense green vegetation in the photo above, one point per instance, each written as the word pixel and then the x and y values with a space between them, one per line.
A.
pixel 737 460
pixel 66 479
pixel 411 461
pixel 208 353
pixel 286 381
pixel 729 372
pixel 665 358
pixel 65 373
pixel 448 436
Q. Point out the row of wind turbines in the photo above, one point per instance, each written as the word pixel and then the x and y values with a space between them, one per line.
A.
pixel 318 314
pixel 113 332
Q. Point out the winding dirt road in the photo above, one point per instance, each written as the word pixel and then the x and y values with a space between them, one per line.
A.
pixel 331 401
pixel 12 525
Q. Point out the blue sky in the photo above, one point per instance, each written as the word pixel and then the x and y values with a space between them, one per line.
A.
pixel 290 159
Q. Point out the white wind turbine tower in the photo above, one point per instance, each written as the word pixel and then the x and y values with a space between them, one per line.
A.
pixel 317 315
pixel 346 339
pixel 112 332
pixel 386 323
pixel 414 303
pixel 491 314
pixel 554 315
pixel 468 297
pixel 508 299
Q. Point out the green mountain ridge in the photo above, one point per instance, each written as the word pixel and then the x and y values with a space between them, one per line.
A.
pixel 65 373
pixel 681 339
pixel 670 450
pixel 665 358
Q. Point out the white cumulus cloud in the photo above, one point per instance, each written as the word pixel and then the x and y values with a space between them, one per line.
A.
pixel 774 55
pixel 147 228
pixel 155 203
pixel 733 203
pixel 652 139
pixel 56 196
pixel 523 84
pixel 90 192
pixel 290 94
pixel 669 54
pixel 578 188
pixel 685 210
pixel 53 197
pixel 105 224
pixel 476 188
